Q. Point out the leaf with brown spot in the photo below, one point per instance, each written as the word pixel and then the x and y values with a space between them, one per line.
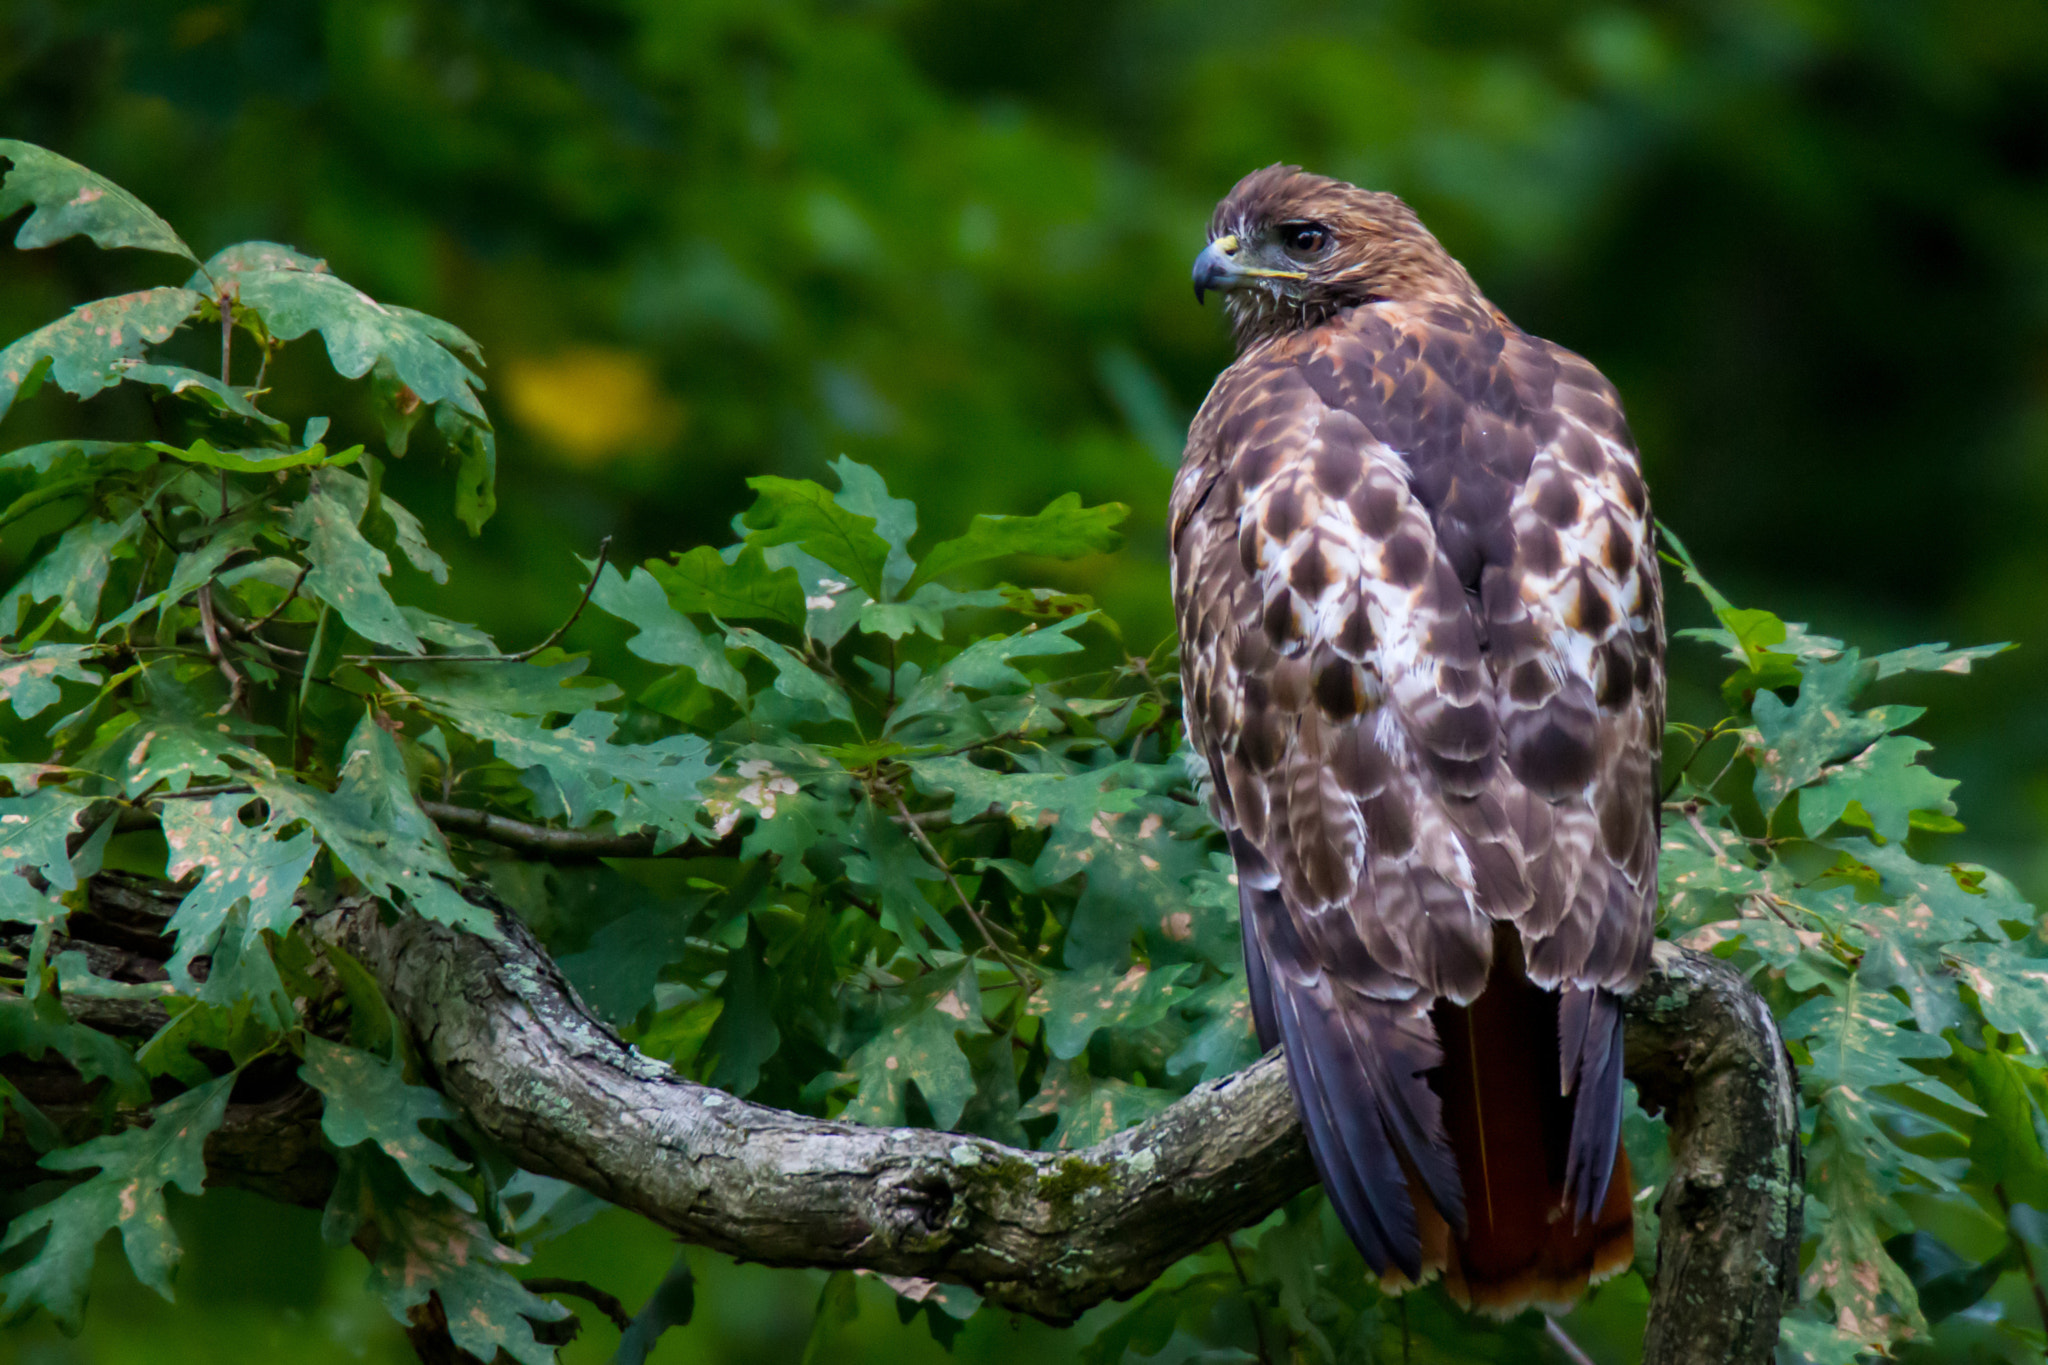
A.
pixel 368 1100
pixel 127 1193
pixel 919 1041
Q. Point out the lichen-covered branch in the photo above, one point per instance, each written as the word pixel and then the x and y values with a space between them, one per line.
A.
pixel 1703 1048
pixel 1048 1233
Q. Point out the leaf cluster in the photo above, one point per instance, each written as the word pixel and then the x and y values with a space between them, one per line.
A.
pixel 861 830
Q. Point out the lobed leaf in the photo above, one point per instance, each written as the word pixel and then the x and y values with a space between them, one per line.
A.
pixel 801 513
pixel 919 1041
pixel 747 588
pixel 347 570
pixel 29 681
pixel 366 1099
pixel 87 350
pixel 127 1194
pixel 255 868
pixel 1064 530
pixel 71 201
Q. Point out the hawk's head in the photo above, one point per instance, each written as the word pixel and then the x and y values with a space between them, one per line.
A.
pixel 1291 249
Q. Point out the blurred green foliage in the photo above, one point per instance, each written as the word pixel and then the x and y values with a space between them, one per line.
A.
pixel 704 241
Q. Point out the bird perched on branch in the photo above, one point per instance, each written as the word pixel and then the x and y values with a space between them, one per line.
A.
pixel 1422 654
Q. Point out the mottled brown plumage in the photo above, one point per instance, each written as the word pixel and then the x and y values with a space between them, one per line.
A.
pixel 1422 654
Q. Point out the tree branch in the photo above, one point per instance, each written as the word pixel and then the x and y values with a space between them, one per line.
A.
pixel 1048 1233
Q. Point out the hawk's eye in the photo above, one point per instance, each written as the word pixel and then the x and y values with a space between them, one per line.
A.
pixel 1304 239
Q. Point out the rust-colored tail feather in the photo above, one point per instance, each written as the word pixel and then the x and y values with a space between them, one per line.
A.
pixel 1511 1127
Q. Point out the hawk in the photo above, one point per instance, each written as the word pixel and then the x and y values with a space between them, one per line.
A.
pixel 1422 655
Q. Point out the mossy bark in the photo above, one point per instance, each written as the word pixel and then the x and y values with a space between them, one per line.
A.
pixel 1047 1233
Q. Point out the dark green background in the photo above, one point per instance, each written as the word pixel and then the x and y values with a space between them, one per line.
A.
pixel 699 241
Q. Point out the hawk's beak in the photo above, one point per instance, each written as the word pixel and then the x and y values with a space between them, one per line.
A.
pixel 1223 266
pixel 1216 266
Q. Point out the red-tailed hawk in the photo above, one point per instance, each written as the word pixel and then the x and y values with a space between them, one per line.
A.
pixel 1422 654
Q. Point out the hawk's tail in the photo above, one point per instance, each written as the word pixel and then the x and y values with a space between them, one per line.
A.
pixel 1547 1190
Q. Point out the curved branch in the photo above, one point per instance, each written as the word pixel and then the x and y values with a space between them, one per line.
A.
pixel 1048 1233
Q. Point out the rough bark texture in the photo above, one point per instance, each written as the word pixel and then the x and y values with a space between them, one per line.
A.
pixel 1703 1048
pixel 1048 1233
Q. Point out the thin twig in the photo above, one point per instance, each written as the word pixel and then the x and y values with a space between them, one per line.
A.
pixel 603 550
pixel 1564 1343
pixel 238 686
pixel 945 868
pixel 271 615
pixel 606 1304
pixel 1258 1315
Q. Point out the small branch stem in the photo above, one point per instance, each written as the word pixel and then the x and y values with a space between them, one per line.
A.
pixel 606 1304
pixel 238 686
pixel 603 552
pixel 1258 1314
pixel 1564 1343
pixel 931 851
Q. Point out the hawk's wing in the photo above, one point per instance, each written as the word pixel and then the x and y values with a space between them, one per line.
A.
pixel 1421 654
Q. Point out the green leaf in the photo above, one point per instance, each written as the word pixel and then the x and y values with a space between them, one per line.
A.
pixel 1074 1005
pixel 1224 1040
pixel 1857 1044
pixel 367 1100
pixel 127 1193
pixel 293 299
pixel 1932 905
pixel 429 1246
pixel 2011 988
pixel 700 581
pixel 617 972
pixel 919 1041
pixel 2005 1146
pixel 665 636
pixel 348 571
pixel 1934 658
pixel 1869 1290
pixel 376 830
pixel 671 1305
pixel 745 1035
pixel 208 391
pixel 1886 781
pixel 799 512
pixel 1090 1108
pixel 887 860
pixel 34 830
pixel 74 572
pixel 66 459
pixel 838 1305
pixel 1064 530
pixel 579 767
pixel 509 689
pixel 257 460
pixel 862 492
pixel 86 348
pixel 794 678
pixel 476 464
pixel 29 681
pixel 35 1027
pixel 1794 743
pixel 72 201
pixel 253 867
pixel 984 666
